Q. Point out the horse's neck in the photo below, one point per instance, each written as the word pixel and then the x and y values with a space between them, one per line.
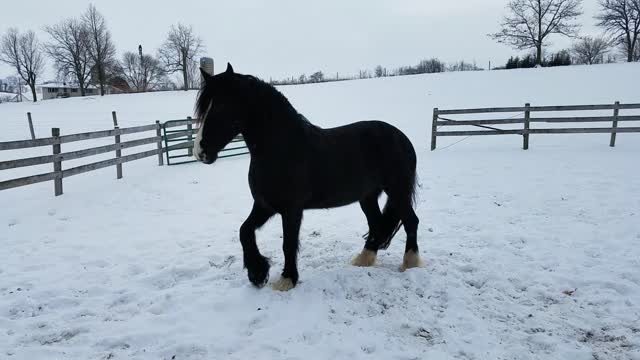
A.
pixel 271 133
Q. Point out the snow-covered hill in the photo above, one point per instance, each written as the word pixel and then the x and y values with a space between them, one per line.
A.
pixel 529 254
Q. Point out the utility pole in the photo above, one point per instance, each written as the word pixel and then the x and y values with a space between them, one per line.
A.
pixel 143 77
pixel 19 90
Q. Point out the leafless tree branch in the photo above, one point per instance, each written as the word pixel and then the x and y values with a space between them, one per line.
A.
pixel 589 50
pixel 180 48
pixel 100 46
pixel 69 48
pixel 621 18
pixel 23 53
pixel 142 74
pixel 530 22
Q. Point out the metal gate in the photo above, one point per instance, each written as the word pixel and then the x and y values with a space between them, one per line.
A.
pixel 180 133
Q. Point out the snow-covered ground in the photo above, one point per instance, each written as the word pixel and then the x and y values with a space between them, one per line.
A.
pixel 529 254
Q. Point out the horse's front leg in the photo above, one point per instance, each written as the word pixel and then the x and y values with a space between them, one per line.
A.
pixel 257 265
pixel 291 221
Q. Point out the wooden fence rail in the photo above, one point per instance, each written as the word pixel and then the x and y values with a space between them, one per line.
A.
pixel 57 156
pixel 526 119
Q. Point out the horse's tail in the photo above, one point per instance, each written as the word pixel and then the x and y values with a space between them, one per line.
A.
pixel 389 225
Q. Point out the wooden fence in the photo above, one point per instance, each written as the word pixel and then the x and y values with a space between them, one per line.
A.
pixel 526 119
pixel 57 156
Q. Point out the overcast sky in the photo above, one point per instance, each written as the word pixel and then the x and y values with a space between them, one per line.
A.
pixel 279 38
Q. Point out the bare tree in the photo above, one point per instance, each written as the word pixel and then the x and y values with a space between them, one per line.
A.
pixel 378 71
pixel 636 52
pixel 100 46
pixel 24 53
pixel 530 22
pixel 317 76
pixel 69 48
pixel 621 18
pixel 194 74
pixel 142 74
pixel 589 50
pixel 179 50
pixel 464 66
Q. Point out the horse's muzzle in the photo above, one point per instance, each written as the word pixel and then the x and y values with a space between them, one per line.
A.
pixel 202 157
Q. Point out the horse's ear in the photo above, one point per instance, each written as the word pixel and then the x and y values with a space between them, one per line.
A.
pixel 205 74
pixel 229 68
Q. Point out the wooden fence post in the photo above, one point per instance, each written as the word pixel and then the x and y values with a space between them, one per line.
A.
pixel 159 135
pixel 117 141
pixel 57 163
pixel 525 132
pixel 190 136
pixel 616 109
pixel 434 129
pixel 33 134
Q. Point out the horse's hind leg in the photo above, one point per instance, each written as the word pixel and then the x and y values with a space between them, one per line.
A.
pixel 257 265
pixel 371 210
pixel 410 221
pixel 401 200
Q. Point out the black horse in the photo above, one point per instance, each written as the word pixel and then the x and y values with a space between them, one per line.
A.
pixel 296 166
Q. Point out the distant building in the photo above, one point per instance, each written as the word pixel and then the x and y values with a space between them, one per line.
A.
pixel 118 85
pixel 57 90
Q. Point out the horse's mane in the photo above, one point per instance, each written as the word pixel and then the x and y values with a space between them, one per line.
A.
pixel 203 103
pixel 265 95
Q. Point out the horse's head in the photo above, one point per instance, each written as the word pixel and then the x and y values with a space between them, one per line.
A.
pixel 221 113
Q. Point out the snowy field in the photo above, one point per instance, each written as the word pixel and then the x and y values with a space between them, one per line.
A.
pixel 529 254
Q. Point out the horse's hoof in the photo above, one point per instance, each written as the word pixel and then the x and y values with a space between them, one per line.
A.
pixel 259 281
pixel 259 272
pixel 411 260
pixel 283 284
pixel 365 258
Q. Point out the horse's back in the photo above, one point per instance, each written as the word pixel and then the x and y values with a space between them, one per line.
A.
pixel 373 140
pixel 355 160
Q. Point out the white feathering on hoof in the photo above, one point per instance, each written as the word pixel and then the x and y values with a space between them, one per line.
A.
pixel 411 260
pixel 283 284
pixel 365 258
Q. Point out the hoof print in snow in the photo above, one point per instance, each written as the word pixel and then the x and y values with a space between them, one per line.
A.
pixel 606 346
pixel 430 336
pixel 226 263
pixel 368 349
pixel 60 337
pixel 569 292
pixel 425 334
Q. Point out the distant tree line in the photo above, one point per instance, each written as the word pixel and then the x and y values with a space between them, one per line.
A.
pixel 426 66
pixel 585 51
pixel 82 52
pixel 528 25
